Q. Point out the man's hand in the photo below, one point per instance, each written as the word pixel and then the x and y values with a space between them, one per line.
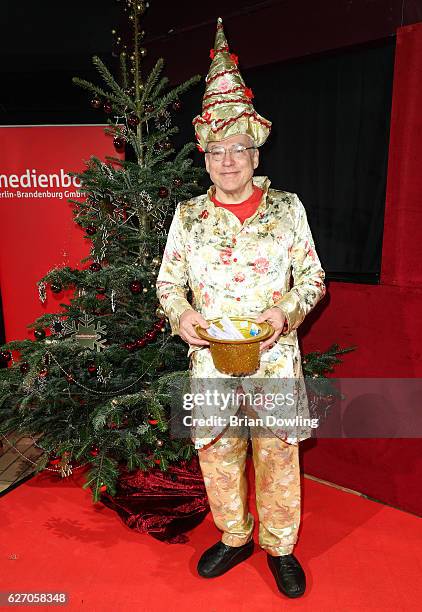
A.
pixel 187 332
pixel 277 318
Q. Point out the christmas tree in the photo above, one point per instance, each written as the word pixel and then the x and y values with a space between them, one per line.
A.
pixel 96 384
pixel 91 389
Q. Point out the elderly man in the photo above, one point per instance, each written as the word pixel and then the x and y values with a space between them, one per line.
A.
pixel 237 247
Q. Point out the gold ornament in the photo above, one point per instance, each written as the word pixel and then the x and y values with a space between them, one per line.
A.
pixel 237 357
pixel 160 312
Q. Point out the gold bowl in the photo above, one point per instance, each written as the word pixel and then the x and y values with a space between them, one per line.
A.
pixel 237 357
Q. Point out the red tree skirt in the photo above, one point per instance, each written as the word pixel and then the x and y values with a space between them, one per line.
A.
pixel 163 504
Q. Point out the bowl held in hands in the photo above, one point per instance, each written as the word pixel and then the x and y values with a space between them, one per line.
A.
pixel 237 357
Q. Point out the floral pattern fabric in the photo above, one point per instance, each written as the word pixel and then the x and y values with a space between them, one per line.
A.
pixel 240 269
pixel 277 481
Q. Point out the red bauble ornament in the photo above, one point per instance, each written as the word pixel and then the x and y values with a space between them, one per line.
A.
pixel 133 120
pixel 163 192
pixel 96 103
pixel 119 143
pixel 5 356
pixel 177 182
pixel 107 107
pixel 95 267
pixel 92 368
pixel 140 343
pixel 94 451
pixel 43 373
pixel 69 378
pixel 177 105
pixel 56 287
pixel 54 461
pixel 103 488
pixel 135 287
pixel 24 367
pixel 39 334
pixel 152 421
pixel 91 230
pixel 151 335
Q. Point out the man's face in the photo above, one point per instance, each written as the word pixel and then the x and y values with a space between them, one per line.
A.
pixel 233 173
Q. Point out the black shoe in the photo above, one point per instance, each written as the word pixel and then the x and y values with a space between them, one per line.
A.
pixel 218 559
pixel 288 574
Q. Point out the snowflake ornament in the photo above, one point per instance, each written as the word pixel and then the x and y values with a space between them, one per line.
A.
pixel 88 332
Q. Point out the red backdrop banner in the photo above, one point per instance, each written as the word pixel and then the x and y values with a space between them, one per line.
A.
pixel 38 232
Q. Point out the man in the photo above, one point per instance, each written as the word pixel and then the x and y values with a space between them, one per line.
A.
pixel 237 247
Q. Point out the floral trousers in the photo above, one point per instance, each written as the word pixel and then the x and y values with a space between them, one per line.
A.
pixel 277 482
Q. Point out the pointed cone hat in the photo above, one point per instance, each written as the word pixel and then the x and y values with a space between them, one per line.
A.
pixel 227 107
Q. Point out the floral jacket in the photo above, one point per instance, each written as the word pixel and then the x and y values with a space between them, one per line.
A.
pixel 237 269
pixel 241 270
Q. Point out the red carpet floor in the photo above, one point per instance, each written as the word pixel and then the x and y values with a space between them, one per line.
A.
pixel 358 555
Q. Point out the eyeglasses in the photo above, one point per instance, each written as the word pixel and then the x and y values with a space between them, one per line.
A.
pixel 237 151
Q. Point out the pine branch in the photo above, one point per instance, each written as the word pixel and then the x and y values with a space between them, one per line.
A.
pixel 120 94
pixel 123 70
pixel 151 81
pixel 157 90
pixel 95 89
pixel 175 93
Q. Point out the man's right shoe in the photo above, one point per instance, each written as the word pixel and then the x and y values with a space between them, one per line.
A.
pixel 220 558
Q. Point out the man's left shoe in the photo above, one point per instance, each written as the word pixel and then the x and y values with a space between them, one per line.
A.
pixel 288 574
